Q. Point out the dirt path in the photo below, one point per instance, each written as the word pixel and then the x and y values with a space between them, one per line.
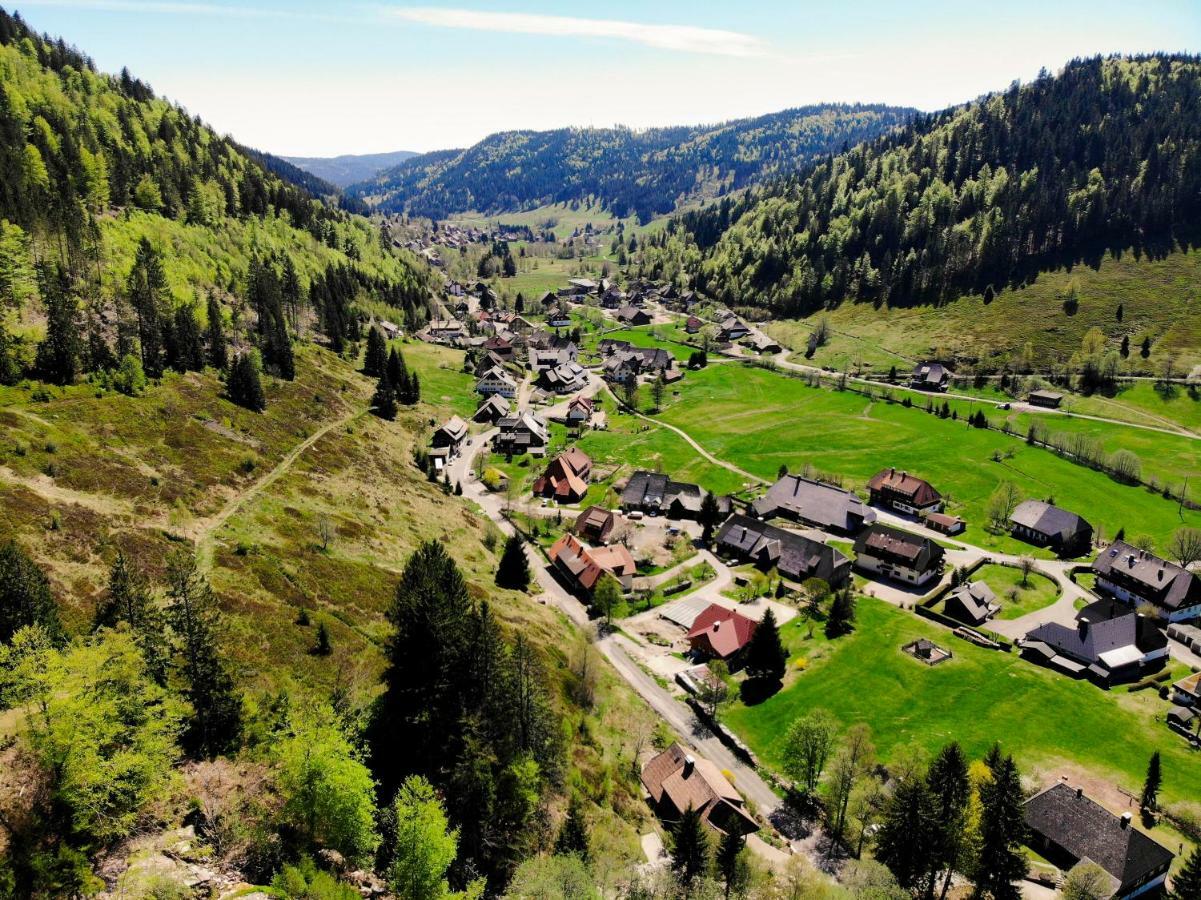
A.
pixel 46 488
pixel 203 531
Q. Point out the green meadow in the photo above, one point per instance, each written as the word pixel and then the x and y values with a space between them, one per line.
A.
pixel 760 420
pixel 978 697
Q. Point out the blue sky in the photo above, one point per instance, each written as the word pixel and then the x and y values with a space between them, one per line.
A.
pixel 313 78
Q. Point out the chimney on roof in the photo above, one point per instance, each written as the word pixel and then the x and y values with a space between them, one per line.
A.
pixel 1079 793
pixel 1083 629
pixel 689 765
pixel 1159 575
pixel 1126 817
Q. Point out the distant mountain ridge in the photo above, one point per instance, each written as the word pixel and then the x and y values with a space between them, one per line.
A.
pixel 349 168
pixel 972 199
pixel 643 173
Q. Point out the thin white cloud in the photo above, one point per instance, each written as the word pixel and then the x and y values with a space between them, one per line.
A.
pixel 685 38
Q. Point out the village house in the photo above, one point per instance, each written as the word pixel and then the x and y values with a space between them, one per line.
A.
pixel 793 555
pixel 566 478
pixel 595 524
pixel 731 330
pixel 931 376
pixel 1109 644
pixel 1187 691
pixel 496 381
pixel 390 329
pixel 579 411
pixel 502 347
pixel 1065 827
pixel 520 433
pixel 676 780
pixel 654 493
pixel 485 361
pixel 815 503
pixel 444 331
pixel 492 409
pixel 720 633
pixel 1044 398
pixel 1044 525
pixel 760 343
pixel 903 492
pixel 447 441
pixel 581 566
pixel 693 325
pixel 632 315
pixel 1137 576
pixel 549 299
pixel 558 318
pixel 972 603
pixel 584 285
pixel 898 555
pixel 565 378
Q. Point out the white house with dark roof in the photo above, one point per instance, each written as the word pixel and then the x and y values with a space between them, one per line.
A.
pixel 496 381
pixel 1137 576
pixel 1046 525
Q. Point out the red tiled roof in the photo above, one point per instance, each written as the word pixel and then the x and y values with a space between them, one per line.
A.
pixel 721 632
pixel 918 491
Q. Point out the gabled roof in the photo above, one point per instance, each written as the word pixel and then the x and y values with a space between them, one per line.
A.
pixel 721 631
pixel 892 543
pixel 1049 520
pixel 695 782
pixel 454 428
pixel 594 518
pixel 794 554
pixel 1112 642
pixel 493 407
pixel 1165 582
pixel 816 502
pixel 1086 830
pixel 919 492
pixel 976 599
pixel 586 565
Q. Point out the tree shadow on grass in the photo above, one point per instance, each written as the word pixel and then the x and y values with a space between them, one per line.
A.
pixel 754 691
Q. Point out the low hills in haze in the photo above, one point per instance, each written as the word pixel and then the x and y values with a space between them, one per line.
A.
pixel 348 168
pixel 644 173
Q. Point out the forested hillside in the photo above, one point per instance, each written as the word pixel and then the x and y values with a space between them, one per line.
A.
pixel 1104 156
pixel 95 171
pixel 643 173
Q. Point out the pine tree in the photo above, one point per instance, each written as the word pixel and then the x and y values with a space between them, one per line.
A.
pixel 414 393
pixel 573 836
pixel 58 354
pixel 25 597
pixel 1002 829
pixel 950 789
pixel 766 657
pixel 216 724
pixel 146 290
pixel 729 859
pixel 266 295
pixel 690 849
pixel 322 647
pixel 375 360
pixel 907 839
pixel 129 600
pixel 396 367
pixel 383 401
pixel 218 356
pixel 189 344
pixel 1125 349
pixel 842 613
pixel 1186 885
pixel 709 516
pixel 1145 350
pixel 243 385
pixel 1152 784
pixel 513 571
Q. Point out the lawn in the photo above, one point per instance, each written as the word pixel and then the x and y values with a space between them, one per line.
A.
pixel 1006 582
pixel 977 698
pixel 444 384
pixel 760 420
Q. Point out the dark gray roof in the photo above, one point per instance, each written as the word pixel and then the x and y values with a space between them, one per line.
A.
pixel 1149 576
pixel 816 502
pixel 1089 641
pixel 973 599
pixel 654 490
pixel 1086 830
pixel 795 555
pixel 1049 520
pixel 892 544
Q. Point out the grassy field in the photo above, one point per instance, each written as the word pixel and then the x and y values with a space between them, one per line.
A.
pixel 1050 723
pixel 1159 300
pixel 761 420
pixel 1006 582
pixel 444 384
